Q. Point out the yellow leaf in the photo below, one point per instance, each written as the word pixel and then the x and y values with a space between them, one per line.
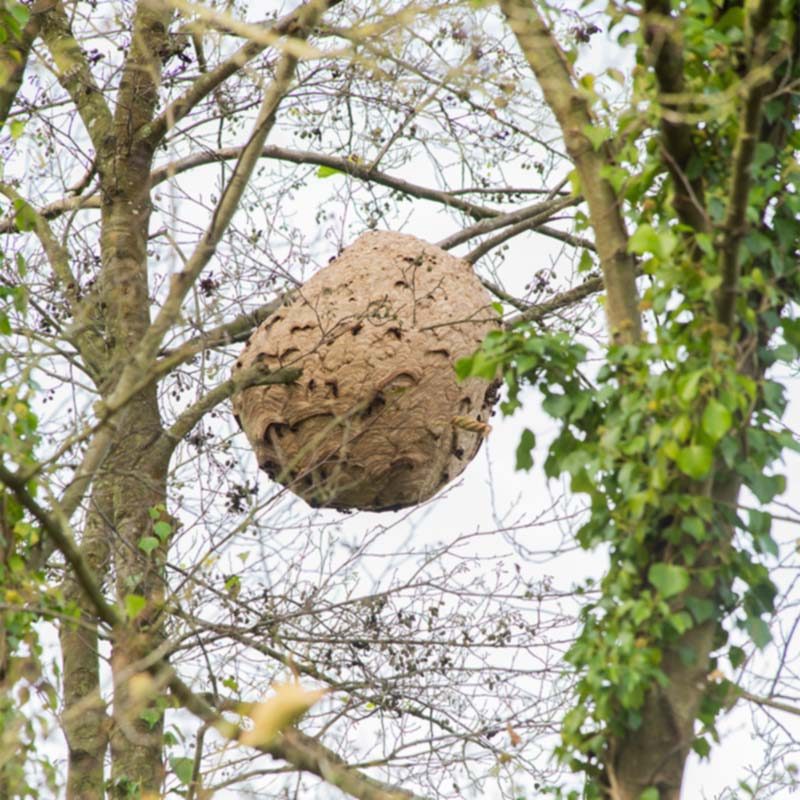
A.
pixel 284 708
pixel 516 739
pixel 141 687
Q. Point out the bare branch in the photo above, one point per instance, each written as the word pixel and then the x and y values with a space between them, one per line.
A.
pixel 344 165
pixel 301 751
pixel 340 163
pixel 511 231
pixel 56 253
pixel 208 82
pixel 54 210
pixel 540 211
pixel 257 375
pixel 571 109
pixel 87 343
pixel 767 702
pixel 570 297
pixel 237 330
pixel 228 203
pixel 141 74
pixel 74 73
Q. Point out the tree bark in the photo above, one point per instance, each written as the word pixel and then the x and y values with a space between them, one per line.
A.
pixel 85 720
pixel 139 484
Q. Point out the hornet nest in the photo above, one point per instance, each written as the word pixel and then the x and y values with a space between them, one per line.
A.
pixel 377 421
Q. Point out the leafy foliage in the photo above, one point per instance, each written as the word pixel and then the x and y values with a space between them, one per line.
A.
pixel 674 425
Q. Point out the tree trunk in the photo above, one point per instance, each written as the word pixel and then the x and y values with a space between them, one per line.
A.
pixel 655 754
pixel 139 479
pixel 85 720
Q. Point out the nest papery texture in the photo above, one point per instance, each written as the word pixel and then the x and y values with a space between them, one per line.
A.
pixel 370 424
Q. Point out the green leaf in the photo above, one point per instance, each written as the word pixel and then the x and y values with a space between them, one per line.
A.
pixel 151 716
pixel 688 385
pixel 17 128
pixel 736 656
pixel 765 487
pixel 695 527
pixel 645 239
pixel 20 13
pixel 701 608
pixel 732 18
pixel 557 405
pixel 148 544
pixel 463 367
pixel 526 443
pixel 759 631
pixel 326 172
pixel 681 622
pixel 701 747
pixel 478 365
pixel 25 218
pixel 16 564
pixel 682 427
pixel 695 460
pixel 597 134
pixel 134 605
pixel 650 794
pixel 162 530
pixel 183 768
pixel 717 419
pixel 669 579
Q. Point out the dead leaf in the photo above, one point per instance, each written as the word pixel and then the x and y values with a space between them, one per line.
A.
pixel 286 706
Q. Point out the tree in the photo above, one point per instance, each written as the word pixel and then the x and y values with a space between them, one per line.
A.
pixel 129 284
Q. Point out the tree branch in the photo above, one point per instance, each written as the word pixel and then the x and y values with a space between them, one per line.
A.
pixel 56 253
pixel 63 541
pixel 539 311
pixel 768 702
pixel 229 201
pixel 141 73
pixel 74 73
pixel 340 163
pixel 298 749
pixel 13 61
pixel 207 83
pixel 735 225
pixel 571 109
pixel 540 211
pixel 509 233
pixel 257 375
pixel 303 752
pixel 237 330
pixel 87 343
pixel 54 210
pixel 667 53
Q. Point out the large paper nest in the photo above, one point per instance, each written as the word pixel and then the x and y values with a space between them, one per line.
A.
pixel 377 420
